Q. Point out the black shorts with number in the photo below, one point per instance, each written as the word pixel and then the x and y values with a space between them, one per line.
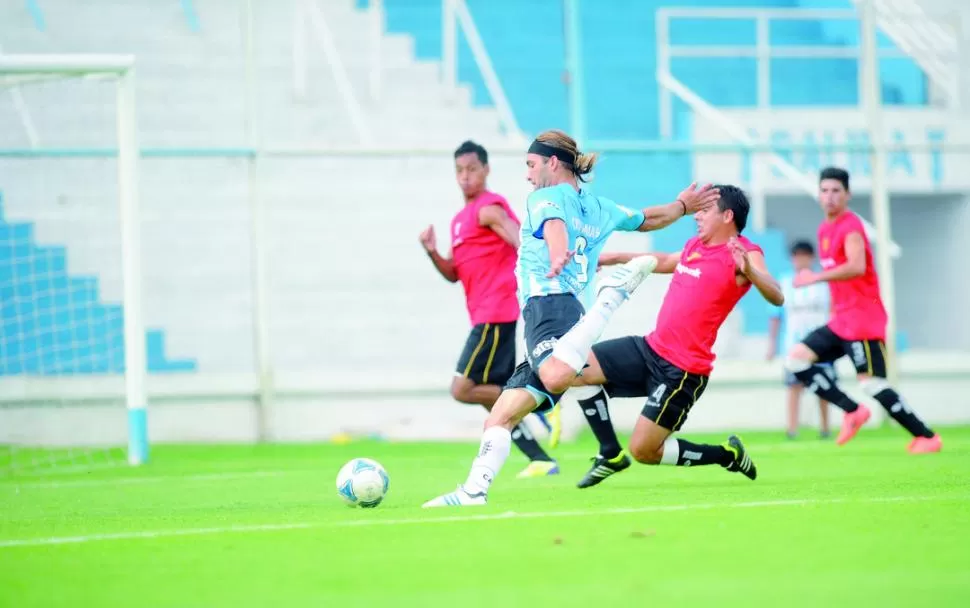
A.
pixel 547 318
pixel 633 369
pixel 868 356
pixel 489 354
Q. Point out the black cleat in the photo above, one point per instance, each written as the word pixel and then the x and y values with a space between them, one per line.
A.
pixel 603 468
pixel 742 462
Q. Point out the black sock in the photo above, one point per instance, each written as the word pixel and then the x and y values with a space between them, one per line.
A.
pixel 697 454
pixel 597 412
pixel 825 387
pixel 526 442
pixel 901 413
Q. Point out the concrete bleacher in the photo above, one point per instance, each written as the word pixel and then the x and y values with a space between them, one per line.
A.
pixel 327 310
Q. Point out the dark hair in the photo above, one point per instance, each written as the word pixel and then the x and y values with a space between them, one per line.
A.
pixel 802 247
pixel 835 173
pixel 736 200
pixel 470 147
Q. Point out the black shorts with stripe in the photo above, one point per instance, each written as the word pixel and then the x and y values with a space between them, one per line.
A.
pixel 489 354
pixel 547 318
pixel 868 356
pixel 633 369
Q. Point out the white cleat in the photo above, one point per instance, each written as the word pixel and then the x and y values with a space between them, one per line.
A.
pixel 627 277
pixel 458 498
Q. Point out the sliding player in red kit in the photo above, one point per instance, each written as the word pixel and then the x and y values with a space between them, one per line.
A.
pixel 671 367
pixel 858 324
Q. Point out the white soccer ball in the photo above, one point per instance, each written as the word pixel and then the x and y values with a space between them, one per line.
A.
pixel 362 482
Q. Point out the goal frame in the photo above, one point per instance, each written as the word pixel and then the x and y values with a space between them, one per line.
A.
pixel 121 68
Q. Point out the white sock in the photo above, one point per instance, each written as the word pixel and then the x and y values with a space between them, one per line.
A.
pixel 671 452
pixel 573 348
pixel 492 454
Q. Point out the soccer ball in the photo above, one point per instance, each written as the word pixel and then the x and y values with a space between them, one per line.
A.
pixel 362 482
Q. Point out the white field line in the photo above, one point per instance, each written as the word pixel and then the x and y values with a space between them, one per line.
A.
pixel 242 529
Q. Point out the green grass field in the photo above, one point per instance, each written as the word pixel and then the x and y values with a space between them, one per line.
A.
pixel 863 525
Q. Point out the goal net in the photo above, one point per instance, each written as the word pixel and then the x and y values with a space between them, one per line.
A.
pixel 72 346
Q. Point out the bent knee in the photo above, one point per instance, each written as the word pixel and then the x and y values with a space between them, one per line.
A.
pixel 556 378
pixel 644 453
pixel 461 390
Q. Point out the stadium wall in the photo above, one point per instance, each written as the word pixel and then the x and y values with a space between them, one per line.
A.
pixel 742 396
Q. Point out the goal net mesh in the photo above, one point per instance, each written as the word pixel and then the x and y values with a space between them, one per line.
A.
pixel 62 346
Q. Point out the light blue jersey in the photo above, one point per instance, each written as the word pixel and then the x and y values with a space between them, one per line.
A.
pixel 589 222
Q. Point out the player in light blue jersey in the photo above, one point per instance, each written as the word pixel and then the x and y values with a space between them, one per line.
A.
pixel 805 310
pixel 563 233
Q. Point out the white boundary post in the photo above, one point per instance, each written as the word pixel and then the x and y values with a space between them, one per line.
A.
pixel 134 331
pixel 872 108
pixel 261 339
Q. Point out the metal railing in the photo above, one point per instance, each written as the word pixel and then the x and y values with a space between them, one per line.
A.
pixel 308 14
pixel 931 42
pixel 763 52
pixel 455 14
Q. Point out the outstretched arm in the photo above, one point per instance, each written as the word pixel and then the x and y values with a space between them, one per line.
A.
pixel 495 218
pixel 666 262
pixel 855 264
pixel 688 202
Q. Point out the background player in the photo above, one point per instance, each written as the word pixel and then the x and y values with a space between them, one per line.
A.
pixel 672 365
pixel 561 238
pixel 805 309
pixel 484 239
pixel 858 324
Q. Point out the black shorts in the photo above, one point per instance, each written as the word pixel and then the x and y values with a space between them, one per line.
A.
pixel 547 318
pixel 489 354
pixel 868 356
pixel 633 369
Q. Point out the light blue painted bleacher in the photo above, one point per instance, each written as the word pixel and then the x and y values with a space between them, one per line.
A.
pixel 525 42
pixel 52 323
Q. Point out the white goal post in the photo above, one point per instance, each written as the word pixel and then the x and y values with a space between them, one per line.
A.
pixel 16 70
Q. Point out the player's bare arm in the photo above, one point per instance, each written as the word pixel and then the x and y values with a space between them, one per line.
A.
pixel 666 262
pixel 855 265
pixel 557 242
pixel 751 264
pixel 444 265
pixel 688 202
pixel 495 218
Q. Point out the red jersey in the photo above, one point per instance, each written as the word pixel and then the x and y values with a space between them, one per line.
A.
pixel 858 313
pixel 701 295
pixel 485 263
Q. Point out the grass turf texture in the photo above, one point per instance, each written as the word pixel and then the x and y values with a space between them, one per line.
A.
pixel 864 524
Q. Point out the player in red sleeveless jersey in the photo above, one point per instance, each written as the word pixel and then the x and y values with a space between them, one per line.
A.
pixel 858 324
pixel 672 365
pixel 484 240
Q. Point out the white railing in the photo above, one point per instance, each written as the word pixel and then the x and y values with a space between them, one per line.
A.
pixel 22 110
pixel 376 13
pixel 931 42
pixel 763 52
pixel 309 15
pixel 455 14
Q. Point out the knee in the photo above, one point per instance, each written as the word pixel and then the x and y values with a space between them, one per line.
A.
pixel 645 452
pixel 795 363
pixel 872 385
pixel 556 377
pixel 461 390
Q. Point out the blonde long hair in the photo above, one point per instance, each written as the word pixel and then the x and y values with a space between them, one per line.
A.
pixel 583 165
